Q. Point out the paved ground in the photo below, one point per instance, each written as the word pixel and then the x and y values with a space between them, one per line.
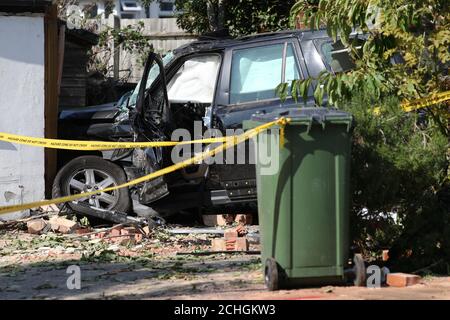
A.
pixel 34 267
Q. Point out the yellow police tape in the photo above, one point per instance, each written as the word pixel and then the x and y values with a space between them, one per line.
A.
pixel 105 145
pixel 229 142
pixel 95 145
pixel 417 104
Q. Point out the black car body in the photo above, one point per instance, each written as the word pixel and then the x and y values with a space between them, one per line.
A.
pixel 241 81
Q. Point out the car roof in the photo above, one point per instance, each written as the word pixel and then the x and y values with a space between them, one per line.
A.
pixel 223 43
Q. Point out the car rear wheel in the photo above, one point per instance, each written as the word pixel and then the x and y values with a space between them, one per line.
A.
pixel 92 173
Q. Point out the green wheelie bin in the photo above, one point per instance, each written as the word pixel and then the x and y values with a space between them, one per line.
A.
pixel 303 190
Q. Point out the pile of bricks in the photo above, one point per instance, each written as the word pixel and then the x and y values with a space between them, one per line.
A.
pixel 402 279
pixel 56 224
pixel 122 235
pixel 119 234
pixel 233 240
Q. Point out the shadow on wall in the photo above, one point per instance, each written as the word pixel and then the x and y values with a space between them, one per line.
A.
pixel 7 146
pixel 27 35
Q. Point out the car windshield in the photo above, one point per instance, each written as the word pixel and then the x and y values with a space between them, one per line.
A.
pixel 152 75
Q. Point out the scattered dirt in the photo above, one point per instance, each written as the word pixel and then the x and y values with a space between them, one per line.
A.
pixel 35 267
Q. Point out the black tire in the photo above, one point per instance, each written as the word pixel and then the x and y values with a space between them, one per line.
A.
pixel 272 275
pixel 359 269
pixel 118 200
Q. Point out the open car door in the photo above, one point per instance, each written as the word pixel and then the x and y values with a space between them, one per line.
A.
pixel 151 121
pixel 152 105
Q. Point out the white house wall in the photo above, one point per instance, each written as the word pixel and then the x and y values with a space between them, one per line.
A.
pixel 21 108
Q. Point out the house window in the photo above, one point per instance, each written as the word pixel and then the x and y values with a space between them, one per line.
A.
pixel 166 6
pixel 130 6
pixel 256 72
pixel 128 16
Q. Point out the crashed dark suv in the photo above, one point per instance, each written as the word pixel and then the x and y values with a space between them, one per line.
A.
pixel 218 82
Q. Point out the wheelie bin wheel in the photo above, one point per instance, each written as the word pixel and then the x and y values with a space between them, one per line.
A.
pixel 359 269
pixel 271 275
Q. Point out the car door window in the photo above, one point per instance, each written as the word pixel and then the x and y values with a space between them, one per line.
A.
pixel 256 72
pixel 153 74
pixel 195 80
pixel 336 55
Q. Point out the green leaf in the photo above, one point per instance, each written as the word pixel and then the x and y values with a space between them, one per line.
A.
pixel 318 94
pixel 294 90
pixel 281 91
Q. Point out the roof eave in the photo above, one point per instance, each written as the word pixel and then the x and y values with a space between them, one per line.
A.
pixel 23 6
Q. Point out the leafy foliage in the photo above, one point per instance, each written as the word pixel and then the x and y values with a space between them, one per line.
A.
pixel 194 18
pixel 416 31
pixel 129 39
pixel 400 193
pixel 399 161
pixel 240 17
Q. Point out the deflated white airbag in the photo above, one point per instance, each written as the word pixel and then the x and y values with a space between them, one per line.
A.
pixel 195 81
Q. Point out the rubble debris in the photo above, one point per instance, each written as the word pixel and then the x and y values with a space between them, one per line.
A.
pixel 385 255
pixel 238 231
pixel 15 223
pixel 240 244
pixel 128 231
pixel 402 279
pixel 121 240
pixel 63 225
pixel 230 234
pixel 233 240
pixel 241 230
pixel 114 248
pixel 115 231
pixel 196 231
pixel 37 226
pixel 83 231
pixel 253 238
pixel 49 208
pixel 93 234
pixel 146 230
pixel 232 244
pixel 131 235
pixel 98 235
pixel 218 244
pixel 120 234
pixel 213 220
pixel 138 237
pixel 205 253
pixel 244 219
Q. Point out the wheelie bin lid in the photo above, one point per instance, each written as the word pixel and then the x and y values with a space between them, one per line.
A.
pixel 307 116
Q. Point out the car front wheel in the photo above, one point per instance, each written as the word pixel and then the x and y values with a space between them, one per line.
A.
pixel 92 173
